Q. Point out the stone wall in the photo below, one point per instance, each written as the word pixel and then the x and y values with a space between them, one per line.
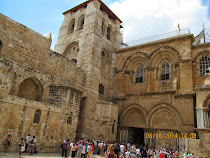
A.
pixel 200 147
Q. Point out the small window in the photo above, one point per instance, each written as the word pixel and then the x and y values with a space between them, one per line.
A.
pixel 101 89
pixel 81 25
pixel 139 75
pixel 165 71
pixel 0 45
pixel 108 35
pixel 204 65
pixel 103 27
pixel 69 120
pixel 74 61
pixel 103 54
pixel 37 116
pixel 113 129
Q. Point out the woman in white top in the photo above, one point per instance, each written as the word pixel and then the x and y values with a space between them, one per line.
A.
pixel 83 151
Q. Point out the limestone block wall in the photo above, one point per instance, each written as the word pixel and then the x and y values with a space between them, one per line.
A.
pixel 201 146
pixel 152 106
pixel 197 53
pixel 176 51
pixel 106 120
pixel 17 115
pixel 29 49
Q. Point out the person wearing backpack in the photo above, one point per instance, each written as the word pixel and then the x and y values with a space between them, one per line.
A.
pixel 32 144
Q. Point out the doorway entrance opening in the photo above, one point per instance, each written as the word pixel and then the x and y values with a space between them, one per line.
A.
pixel 136 135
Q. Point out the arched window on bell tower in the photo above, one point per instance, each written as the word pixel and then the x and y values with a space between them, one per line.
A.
pixel 81 22
pixel 71 26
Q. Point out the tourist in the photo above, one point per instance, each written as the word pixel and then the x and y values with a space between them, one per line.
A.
pixel 128 154
pixel 144 152
pixel 122 149
pixel 27 140
pixel 8 141
pixel 156 153
pixel 89 150
pixel 137 152
pixel 92 149
pixel 95 147
pixel 79 150
pixel 150 152
pixel 65 147
pixel 83 151
pixel 32 145
pixel 73 150
pixel 117 150
pixel 111 154
pixel 21 146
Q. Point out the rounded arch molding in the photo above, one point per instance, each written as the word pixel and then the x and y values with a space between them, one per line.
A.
pixel 174 54
pixel 165 108
pixel 133 56
pixel 200 54
pixel 134 109
pixel 206 101
pixel 69 46
pixel 168 52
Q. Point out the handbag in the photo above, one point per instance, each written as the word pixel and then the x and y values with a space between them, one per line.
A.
pixel 22 148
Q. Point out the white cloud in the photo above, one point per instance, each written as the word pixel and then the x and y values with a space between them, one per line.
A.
pixel 145 18
pixel 53 39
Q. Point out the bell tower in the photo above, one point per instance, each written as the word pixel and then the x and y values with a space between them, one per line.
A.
pixel 89 36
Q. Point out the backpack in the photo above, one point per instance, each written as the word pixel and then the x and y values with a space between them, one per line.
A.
pixel 32 141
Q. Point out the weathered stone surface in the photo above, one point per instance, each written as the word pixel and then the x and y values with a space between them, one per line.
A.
pixel 64 84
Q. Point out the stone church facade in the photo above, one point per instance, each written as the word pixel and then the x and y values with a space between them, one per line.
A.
pixel 89 87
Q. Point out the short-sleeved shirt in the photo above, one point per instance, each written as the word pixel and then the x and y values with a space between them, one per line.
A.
pixel 27 139
pixel 65 145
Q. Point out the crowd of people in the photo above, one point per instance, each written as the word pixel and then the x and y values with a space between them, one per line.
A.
pixel 86 149
pixel 82 149
pixel 28 145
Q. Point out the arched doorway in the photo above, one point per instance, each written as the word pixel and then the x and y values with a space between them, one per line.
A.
pixel 132 124
pixel 164 125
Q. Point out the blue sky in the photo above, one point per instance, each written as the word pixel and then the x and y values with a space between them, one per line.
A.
pixel 44 16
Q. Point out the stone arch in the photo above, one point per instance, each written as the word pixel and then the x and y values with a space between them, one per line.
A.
pixel 199 55
pixel 164 53
pixel 206 101
pixel 81 21
pixel 166 49
pixel 133 116
pixel 72 51
pixel 136 57
pixel 171 120
pixel 31 88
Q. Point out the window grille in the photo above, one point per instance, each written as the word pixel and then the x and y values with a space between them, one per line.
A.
pixel 204 65
pixel 165 71
pixel 139 74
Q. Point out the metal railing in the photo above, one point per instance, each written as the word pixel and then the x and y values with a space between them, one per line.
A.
pixel 157 37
